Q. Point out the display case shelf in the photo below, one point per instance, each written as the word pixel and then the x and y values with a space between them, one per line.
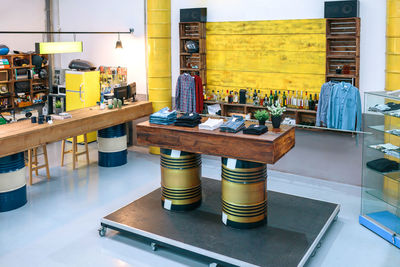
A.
pixel 380 209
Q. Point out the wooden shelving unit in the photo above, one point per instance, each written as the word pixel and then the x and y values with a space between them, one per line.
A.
pixel 194 63
pixel 302 116
pixel 343 48
pixel 11 97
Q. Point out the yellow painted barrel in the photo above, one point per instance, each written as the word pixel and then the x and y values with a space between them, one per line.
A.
pixel 159 56
pixel 244 195
pixel 180 180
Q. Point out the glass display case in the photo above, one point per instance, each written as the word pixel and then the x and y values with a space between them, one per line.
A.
pixel 380 208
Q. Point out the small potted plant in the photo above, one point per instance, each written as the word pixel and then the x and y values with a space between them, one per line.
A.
pixel 276 114
pixel 58 107
pixel 261 115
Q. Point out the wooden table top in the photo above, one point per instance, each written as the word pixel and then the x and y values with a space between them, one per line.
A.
pixel 265 148
pixel 23 135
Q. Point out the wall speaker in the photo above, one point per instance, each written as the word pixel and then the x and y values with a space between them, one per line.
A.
pixel 342 9
pixel 194 15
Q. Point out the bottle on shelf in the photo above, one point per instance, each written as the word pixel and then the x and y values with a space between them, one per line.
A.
pixel 218 96
pixel 271 99
pixel 284 101
pixel 275 97
pixel 236 98
pixel 226 97
pixel 214 96
pixel 288 100
pixel 255 97
pixel 266 99
pixel 294 100
pixel 311 104
pixel 300 99
pixel 230 97
pixel 305 101
pixel 316 102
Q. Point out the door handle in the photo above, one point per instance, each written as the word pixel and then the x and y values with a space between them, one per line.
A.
pixel 80 92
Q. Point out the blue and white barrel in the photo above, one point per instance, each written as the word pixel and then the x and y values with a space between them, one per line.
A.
pixel 12 182
pixel 112 146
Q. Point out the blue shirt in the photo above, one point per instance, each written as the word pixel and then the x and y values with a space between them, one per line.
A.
pixel 323 103
pixel 344 109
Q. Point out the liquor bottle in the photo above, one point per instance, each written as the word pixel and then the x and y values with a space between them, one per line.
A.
pixel 219 97
pixel 275 97
pixel 316 102
pixel 255 97
pixel 311 103
pixel 301 100
pixel 226 97
pixel 284 101
pixel 266 99
pixel 271 99
pixel 294 100
pixel 305 101
pixel 259 98
pixel 230 97
pixel 288 99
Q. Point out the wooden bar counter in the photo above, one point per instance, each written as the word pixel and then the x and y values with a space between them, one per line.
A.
pixel 20 136
pixel 243 167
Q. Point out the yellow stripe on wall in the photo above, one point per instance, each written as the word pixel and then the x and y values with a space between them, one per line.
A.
pixel 266 55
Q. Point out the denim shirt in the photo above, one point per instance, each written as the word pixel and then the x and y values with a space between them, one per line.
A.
pixel 344 109
pixel 323 103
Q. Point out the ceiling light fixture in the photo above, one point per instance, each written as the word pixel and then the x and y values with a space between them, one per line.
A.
pixel 118 45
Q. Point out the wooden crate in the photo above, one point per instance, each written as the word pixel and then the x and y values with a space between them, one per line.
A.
pixel 3 75
pixel 349 27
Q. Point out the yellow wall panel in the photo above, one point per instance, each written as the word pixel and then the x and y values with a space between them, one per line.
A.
pixel 302 26
pixel 266 55
pixel 280 42
pixel 272 62
pixel 259 80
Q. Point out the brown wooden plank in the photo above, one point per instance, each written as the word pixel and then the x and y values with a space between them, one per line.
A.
pixel 267 148
pixel 20 136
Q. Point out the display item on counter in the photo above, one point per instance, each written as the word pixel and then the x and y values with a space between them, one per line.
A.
pixel 289 121
pixel 188 120
pixel 255 129
pixel 393 106
pixel 79 64
pixel 185 95
pixel 383 165
pixel 211 124
pixel 394 132
pixel 233 125
pixel 163 116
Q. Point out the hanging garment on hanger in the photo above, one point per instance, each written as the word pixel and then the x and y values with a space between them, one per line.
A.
pixel 199 94
pixel 344 110
pixel 185 94
pixel 324 98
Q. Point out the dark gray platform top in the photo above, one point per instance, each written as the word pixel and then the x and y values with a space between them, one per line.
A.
pixel 293 225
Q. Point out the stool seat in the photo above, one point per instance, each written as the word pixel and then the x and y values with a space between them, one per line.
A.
pixel 33 162
pixel 74 151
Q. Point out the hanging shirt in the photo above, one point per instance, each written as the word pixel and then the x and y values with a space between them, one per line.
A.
pixel 185 95
pixel 344 110
pixel 323 103
pixel 199 94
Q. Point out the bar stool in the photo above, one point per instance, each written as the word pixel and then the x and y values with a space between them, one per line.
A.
pixel 33 162
pixel 74 151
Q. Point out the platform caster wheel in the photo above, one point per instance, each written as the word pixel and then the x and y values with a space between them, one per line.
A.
pixel 102 231
pixel 153 246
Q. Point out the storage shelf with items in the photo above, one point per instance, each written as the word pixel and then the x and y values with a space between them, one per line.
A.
pixel 343 50
pixel 380 209
pixel 22 82
pixel 249 101
pixel 192 47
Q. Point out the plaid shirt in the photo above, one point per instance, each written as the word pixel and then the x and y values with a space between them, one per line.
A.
pixel 185 96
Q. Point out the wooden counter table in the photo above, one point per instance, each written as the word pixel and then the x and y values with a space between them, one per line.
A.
pixel 244 172
pixel 287 228
pixel 17 137
pixel 20 136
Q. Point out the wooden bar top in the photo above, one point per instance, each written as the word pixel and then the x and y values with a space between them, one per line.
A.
pixel 20 136
pixel 265 148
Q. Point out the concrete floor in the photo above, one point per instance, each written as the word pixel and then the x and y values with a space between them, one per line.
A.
pixel 58 226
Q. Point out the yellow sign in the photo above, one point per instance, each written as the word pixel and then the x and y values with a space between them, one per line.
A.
pixel 58 47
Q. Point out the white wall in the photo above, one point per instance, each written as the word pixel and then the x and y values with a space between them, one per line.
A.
pixel 103 15
pixel 373 27
pixel 22 15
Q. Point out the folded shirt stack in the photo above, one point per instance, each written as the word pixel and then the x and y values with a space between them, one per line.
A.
pixel 233 125
pixel 393 106
pixel 163 116
pixel 383 165
pixel 256 129
pixel 379 108
pixel 188 120
pixel 211 124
